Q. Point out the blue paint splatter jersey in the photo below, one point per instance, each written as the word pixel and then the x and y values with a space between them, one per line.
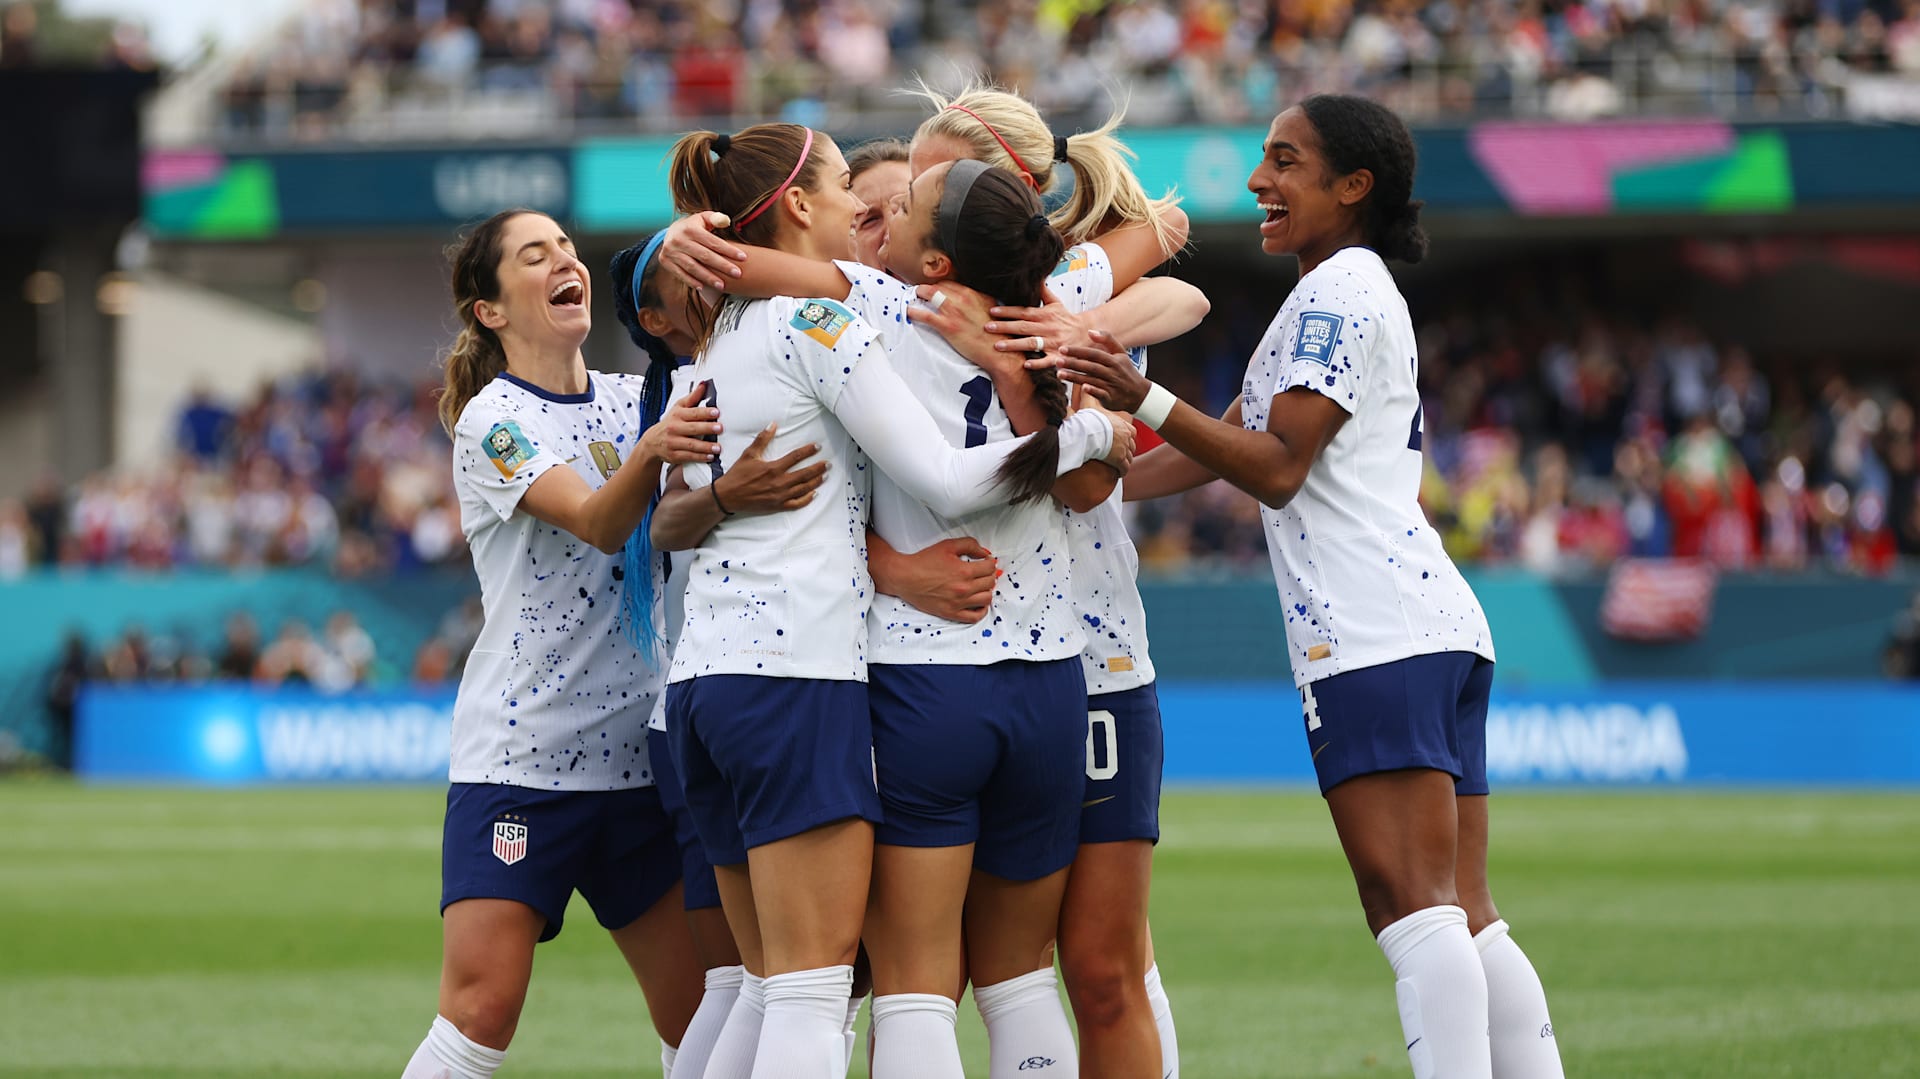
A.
pixel 553 696
pixel 1031 617
pixel 1105 564
pixel 1362 576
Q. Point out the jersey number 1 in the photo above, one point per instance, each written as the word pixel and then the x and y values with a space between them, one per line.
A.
pixel 978 391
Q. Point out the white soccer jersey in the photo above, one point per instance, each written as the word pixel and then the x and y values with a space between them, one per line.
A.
pixel 1105 564
pixel 786 594
pixel 1032 615
pixel 1363 579
pixel 553 695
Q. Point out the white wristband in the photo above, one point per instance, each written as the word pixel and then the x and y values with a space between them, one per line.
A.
pixel 1156 407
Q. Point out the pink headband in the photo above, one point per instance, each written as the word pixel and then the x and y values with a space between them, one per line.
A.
pixel 805 149
pixel 1017 163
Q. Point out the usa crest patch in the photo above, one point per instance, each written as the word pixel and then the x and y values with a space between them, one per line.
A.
pixel 509 841
pixel 822 320
pixel 507 448
pixel 1319 333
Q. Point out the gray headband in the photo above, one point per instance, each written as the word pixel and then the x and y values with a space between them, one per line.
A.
pixel 960 180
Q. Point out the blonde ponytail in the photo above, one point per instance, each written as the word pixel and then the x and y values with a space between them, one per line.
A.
pixel 1004 129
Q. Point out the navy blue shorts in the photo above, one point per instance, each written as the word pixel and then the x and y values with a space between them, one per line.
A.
pixel 1126 752
pixel 1421 712
pixel 763 759
pixel 538 846
pixel 702 891
pixel 990 755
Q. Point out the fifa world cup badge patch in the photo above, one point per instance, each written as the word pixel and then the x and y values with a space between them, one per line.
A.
pixel 509 841
pixel 507 448
pixel 822 320
pixel 1319 332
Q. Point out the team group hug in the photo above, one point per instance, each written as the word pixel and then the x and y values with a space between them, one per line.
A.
pixel 813 657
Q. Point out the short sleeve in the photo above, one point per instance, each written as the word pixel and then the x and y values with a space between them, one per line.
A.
pixel 827 341
pixel 1325 345
pixel 1084 278
pixel 495 455
pixel 876 296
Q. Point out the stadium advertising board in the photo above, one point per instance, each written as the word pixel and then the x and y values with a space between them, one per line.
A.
pixel 1665 735
pixel 212 196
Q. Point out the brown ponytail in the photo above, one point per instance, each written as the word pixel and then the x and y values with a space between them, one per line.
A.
pixel 1005 247
pixel 475 358
pixel 737 175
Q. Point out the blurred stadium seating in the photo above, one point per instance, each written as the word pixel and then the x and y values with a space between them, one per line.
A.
pixel 379 69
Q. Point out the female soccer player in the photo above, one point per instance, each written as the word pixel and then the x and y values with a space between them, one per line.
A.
pixel 767 708
pixel 879 171
pixel 652 306
pixel 1106 952
pixel 1389 647
pixel 551 785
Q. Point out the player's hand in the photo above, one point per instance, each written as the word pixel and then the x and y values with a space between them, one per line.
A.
pixel 754 484
pixel 952 579
pixel 686 434
pixel 1038 329
pixel 959 314
pixel 1120 457
pixel 1106 372
pixel 695 255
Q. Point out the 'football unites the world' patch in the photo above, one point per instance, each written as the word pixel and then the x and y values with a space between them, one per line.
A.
pixel 507 448
pixel 822 320
pixel 1319 332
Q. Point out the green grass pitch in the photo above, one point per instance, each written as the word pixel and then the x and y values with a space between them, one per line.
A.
pixel 155 934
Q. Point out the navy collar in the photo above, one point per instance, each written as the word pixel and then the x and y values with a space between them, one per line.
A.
pixel 548 395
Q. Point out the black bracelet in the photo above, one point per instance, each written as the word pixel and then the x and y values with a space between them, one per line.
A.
pixel 717 504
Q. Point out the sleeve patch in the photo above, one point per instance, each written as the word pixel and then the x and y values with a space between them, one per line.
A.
pixel 1076 259
pixel 822 320
pixel 507 448
pixel 1319 332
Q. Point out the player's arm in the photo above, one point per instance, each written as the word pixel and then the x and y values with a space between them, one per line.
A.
pixel 1164 470
pixel 1270 465
pixel 1150 311
pixel 606 517
pixel 751 485
pixel 1134 250
pixel 952 579
pixel 704 260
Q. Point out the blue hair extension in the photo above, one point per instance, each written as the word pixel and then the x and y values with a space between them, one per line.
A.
pixel 638 596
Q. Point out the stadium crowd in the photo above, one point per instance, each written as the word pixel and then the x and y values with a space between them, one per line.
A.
pixel 348 66
pixel 1563 452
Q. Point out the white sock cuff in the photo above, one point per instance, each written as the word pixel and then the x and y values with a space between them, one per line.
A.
pixel 821 983
pixel 853 1011
pixel 753 989
pixel 667 1055
pixel 1493 934
pixel 725 977
pixel 1153 980
pixel 1001 997
pixel 460 1054
pixel 1406 934
pixel 897 1004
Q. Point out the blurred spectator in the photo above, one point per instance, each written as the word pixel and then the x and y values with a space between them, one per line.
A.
pixel 676 63
pixel 1901 657
pixel 70 672
pixel 16 540
pixel 240 651
pixel 205 426
pixel 350 649
pixel 294 658
pixel 19 34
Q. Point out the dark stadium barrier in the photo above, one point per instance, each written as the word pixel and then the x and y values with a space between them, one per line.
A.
pixel 1830 735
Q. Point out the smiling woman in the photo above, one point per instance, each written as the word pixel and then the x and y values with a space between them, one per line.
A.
pixel 552 785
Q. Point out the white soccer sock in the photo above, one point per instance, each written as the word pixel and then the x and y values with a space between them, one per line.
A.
pixel 803 1036
pixel 448 1054
pixel 703 1030
pixel 1163 1019
pixel 918 1041
pixel 1027 1027
pixel 1519 1028
pixel 1442 994
pixel 668 1054
pixel 739 1041
pixel 853 1017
